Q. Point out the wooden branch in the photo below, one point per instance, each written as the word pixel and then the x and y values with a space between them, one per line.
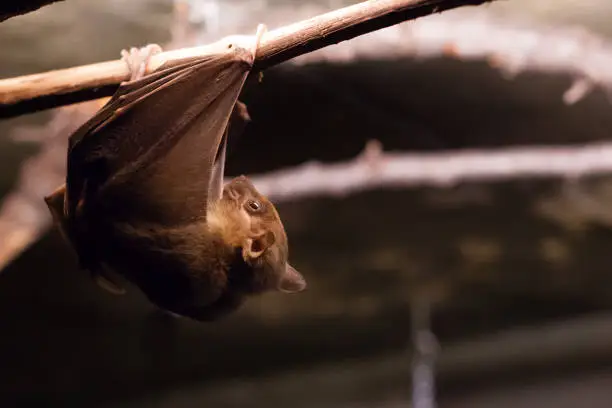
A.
pixel 61 87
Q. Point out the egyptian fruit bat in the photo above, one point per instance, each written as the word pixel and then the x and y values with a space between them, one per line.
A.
pixel 144 196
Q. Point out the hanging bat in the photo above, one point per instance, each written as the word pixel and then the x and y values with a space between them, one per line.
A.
pixel 144 197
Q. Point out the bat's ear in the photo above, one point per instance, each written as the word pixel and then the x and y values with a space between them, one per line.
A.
pixel 292 281
pixel 253 248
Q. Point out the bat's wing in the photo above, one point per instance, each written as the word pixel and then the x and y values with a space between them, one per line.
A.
pixel 151 150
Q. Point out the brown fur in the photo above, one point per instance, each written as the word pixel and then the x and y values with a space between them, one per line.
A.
pixel 199 270
pixel 144 196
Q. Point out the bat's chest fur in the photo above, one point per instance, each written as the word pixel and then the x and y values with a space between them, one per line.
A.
pixel 185 269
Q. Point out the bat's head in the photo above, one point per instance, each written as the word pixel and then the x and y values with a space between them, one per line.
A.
pixel 251 222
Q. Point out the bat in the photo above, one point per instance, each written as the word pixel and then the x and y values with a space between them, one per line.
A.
pixel 144 199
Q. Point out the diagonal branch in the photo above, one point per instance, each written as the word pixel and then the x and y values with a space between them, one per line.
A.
pixel 60 87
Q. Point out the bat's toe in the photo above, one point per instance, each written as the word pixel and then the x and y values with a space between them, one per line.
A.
pixel 137 59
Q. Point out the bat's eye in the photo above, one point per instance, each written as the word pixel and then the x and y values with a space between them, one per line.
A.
pixel 254 205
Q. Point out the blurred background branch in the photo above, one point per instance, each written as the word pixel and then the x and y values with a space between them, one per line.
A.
pixel 375 169
pixel 512 47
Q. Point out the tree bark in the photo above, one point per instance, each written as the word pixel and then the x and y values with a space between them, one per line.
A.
pixel 61 87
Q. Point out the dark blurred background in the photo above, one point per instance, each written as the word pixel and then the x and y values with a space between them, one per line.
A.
pixel 514 275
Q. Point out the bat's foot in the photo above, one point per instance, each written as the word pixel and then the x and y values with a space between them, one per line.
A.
pixel 137 59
